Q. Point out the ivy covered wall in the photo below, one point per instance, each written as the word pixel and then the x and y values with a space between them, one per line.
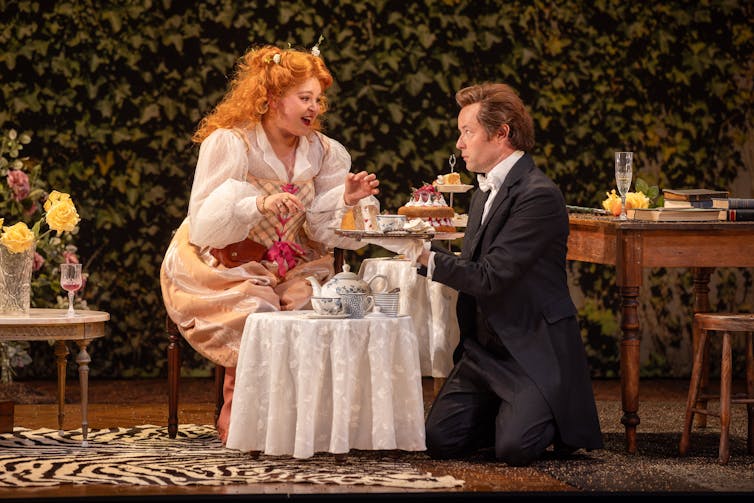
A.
pixel 112 91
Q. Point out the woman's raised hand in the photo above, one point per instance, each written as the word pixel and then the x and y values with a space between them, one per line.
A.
pixel 360 185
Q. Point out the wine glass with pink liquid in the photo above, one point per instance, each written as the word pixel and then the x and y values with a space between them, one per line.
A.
pixel 70 280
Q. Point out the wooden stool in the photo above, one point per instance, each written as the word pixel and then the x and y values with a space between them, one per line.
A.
pixel 725 324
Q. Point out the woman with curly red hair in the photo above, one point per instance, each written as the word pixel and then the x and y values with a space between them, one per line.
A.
pixel 265 198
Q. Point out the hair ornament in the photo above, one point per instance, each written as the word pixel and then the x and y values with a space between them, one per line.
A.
pixel 315 47
pixel 274 59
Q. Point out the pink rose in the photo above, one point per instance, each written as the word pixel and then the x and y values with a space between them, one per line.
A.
pixel 18 181
pixel 70 257
pixel 39 261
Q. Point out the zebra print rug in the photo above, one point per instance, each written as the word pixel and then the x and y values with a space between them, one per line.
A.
pixel 145 455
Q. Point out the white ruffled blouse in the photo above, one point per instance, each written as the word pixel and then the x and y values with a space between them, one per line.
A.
pixel 222 207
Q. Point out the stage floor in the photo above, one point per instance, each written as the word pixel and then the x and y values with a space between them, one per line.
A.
pixel 123 403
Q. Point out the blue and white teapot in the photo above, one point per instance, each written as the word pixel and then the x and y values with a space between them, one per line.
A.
pixel 347 282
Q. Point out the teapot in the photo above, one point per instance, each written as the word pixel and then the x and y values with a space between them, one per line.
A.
pixel 345 282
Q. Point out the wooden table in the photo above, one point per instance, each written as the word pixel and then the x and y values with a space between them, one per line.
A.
pixel 632 246
pixel 55 325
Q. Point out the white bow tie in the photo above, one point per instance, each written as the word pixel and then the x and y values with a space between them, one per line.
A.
pixel 484 184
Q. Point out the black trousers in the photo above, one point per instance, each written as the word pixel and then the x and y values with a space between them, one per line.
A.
pixel 489 401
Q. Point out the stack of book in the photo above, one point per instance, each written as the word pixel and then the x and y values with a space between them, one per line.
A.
pixel 691 198
pixel 677 202
pixel 737 209
pixel 684 205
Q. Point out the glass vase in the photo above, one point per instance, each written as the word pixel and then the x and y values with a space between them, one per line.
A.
pixel 15 281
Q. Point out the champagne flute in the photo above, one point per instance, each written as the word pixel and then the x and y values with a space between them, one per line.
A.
pixel 70 280
pixel 623 175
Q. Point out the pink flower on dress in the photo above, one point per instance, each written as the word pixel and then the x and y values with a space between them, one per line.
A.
pixel 284 253
pixel 39 261
pixel 290 188
pixel 18 181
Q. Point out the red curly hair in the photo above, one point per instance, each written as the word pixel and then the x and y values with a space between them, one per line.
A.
pixel 257 80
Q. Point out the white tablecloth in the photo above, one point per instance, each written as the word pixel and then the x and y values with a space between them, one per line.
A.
pixel 308 385
pixel 432 306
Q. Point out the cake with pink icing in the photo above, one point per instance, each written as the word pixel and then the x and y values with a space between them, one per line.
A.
pixel 429 204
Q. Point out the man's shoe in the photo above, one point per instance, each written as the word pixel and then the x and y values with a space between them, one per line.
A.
pixel 561 450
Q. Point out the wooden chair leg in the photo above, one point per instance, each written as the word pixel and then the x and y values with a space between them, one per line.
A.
pixel 725 392
pixel 174 375
pixel 750 391
pixel 694 385
pixel 704 389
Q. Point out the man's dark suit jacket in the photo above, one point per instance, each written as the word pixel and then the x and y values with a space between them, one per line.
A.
pixel 513 270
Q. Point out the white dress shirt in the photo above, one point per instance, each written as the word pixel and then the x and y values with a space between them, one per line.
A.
pixel 495 178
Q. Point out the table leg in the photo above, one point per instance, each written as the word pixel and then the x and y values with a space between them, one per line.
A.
pixel 83 360
pixel 701 305
pixel 630 363
pixel 61 357
pixel 437 383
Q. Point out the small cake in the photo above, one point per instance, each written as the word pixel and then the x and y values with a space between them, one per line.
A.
pixel 449 179
pixel 428 204
pixel 360 218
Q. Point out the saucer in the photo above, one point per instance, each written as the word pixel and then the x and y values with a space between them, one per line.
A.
pixel 327 316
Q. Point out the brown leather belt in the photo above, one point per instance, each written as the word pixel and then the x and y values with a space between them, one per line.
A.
pixel 236 254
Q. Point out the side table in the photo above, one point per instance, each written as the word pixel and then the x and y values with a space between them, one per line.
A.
pixel 55 325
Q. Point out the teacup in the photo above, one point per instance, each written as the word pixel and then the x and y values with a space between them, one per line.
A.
pixel 388 223
pixel 357 304
pixel 327 306
pixel 389 303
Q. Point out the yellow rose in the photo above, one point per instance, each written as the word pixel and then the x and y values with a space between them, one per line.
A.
pixel 54 198
pixel 636 200
pixel 17 238
pixel 612 203
pixel 61 213
pixel 633 200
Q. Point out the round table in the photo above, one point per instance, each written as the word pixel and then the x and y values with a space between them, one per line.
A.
pixel 433 309
pixel 56 325
pixel 306 385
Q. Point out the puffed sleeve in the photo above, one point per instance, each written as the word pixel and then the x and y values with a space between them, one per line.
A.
pixel 325 211
pixel 222 208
